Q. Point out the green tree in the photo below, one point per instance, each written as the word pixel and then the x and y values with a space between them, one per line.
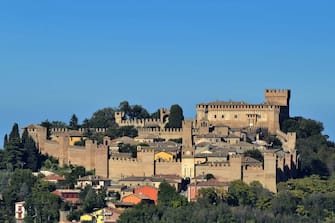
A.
pixel 92 199
pixel 72 175
pixel 168 196
pixel 176 117
pixel 58 124
pixel 74 122
pixel 284 203
pixel 32 158
pixel 14 134
pixel 133 111
pixel 13 152
pixel 42 206
pixel 240 193
pixel 114 133
pixel 156 114
pixel 316 153
pixel 103 118
pixel 5 141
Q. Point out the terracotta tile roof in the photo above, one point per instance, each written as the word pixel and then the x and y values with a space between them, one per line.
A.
pixel 54 177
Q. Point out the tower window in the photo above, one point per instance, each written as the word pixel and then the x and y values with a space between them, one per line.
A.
pixel 222 116
pixel 214 116
pixel 235 116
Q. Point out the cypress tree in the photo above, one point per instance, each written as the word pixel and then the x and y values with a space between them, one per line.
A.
pixel 31 154
pixel 14 134
pixel 73 122
pixel 13 153
pixel 5 141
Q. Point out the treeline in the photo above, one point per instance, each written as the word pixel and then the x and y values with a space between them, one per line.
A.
pixel 310 198
pixel 316 154
pixel 104 118
pixel 18 160
pixel 20 152
pixel 301 200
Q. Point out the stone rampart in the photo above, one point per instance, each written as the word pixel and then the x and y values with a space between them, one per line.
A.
pixel 164 133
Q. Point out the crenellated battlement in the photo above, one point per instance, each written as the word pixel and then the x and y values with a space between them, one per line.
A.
pixel 123 159
pixel 231 106
pixel 167 161
pixel 80 130
pixel 145 149
pixel 277 92
pixel 253 168
pixel 58 130
pixel 159 130
pixel 141 122
pixel 137 123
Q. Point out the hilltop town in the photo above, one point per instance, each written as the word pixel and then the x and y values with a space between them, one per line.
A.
pixel 213 143
pixel 212 150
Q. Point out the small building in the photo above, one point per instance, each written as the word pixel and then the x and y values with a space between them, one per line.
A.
pixel 155 181
pixel 104 215
pixel 54 179
pixel 148 191
pixel 136 199
pixel 97 182
pixel 68 195
pixel 20 212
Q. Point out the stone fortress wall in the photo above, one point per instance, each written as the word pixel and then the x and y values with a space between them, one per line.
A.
pixel 266 115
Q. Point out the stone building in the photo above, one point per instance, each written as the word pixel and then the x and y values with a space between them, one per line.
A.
pixel 225 125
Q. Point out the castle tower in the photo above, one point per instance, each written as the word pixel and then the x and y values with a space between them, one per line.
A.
pixel 281 98
pixel 90 150
pixel 164 115
pixel 277 96
pixel 119 117
pixel 188 169
pixel 64 141
pixel 270 171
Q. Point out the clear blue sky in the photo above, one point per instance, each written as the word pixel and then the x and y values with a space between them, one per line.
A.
pixel 63 57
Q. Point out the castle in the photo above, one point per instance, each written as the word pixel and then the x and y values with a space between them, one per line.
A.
pixel 212 143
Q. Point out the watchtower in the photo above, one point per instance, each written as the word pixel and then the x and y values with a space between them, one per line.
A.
pixel 119 116
pixel 279 97
pixel 187 150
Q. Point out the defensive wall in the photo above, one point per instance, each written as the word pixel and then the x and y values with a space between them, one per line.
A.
pixel 99 157
pixel 121 120
pixel 164 167
pixel 163 133
pixel 223 171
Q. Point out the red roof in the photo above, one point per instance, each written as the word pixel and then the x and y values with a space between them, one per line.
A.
pixel 54 177
pixel 68 195
pixel 148 191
